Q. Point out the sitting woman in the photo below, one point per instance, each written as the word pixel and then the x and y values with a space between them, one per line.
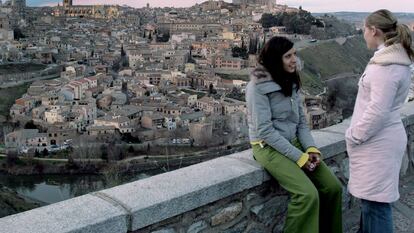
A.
pixel 283 145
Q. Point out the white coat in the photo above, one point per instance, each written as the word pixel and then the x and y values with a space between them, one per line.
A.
pixel 376 139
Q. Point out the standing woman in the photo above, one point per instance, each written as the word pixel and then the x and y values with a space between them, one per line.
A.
pixel 376 139
pixel 283 145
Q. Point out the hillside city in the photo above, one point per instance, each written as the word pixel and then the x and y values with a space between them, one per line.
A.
pixel 108 83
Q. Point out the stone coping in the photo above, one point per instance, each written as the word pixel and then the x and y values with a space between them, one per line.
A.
pixel 142 203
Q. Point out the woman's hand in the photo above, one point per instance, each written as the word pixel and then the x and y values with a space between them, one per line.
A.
pixel 309 166
pixel 315 158
pixel 313 162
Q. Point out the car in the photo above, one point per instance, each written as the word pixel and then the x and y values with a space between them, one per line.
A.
pixel 53 148
pixel 24 150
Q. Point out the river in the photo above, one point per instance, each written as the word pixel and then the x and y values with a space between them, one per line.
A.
pixel 48 189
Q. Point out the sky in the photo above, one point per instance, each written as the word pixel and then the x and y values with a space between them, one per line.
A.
pixel 309 5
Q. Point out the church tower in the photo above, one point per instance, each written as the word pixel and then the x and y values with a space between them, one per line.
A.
pixel 18 3
pixel 67 3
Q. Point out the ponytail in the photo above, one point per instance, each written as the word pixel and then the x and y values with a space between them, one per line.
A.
pixel 393 32
pixel 404 34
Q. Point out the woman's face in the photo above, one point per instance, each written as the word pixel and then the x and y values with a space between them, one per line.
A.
pixel 289 61
pixel 369 36
pixel 373 36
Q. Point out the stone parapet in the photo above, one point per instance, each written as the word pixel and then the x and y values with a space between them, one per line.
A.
pixel 229 194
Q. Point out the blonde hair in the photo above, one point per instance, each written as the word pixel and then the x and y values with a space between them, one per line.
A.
pixel 393 31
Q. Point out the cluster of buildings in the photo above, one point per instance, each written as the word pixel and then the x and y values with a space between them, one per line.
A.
pixel 152 74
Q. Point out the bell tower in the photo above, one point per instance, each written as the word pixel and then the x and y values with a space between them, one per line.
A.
pixel 67 3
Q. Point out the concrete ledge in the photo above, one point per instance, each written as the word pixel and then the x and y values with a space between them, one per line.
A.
pixel 407 113
pixel 331 140
pixel 142 203
pixel 163 196
pixel 82 214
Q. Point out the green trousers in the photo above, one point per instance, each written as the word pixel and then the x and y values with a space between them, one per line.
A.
pixel 315 197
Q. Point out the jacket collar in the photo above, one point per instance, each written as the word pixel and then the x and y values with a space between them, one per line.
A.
pixel 260 74
pixel 393 54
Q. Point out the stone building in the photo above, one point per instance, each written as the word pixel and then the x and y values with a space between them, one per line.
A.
pixel 26 138
pixel 315 115
pixel 19 4
pixel 87 11
pixel 6 34
pixel 258 2
pixel 201 133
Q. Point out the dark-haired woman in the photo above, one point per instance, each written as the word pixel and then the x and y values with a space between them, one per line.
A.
pixel 283 145
pixel 376 139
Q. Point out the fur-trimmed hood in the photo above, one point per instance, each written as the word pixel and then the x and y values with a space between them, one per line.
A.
pixel 260 74
pixel 393 54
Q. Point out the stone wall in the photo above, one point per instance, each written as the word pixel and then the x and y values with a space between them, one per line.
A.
pixel 258 209
pixel 229 194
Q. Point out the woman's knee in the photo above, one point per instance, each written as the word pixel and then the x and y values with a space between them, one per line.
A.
pixel 335 188
pixel 310 197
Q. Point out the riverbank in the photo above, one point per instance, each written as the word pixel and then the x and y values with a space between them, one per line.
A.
pixel 58 181
pixel 142 163
pixel 12 203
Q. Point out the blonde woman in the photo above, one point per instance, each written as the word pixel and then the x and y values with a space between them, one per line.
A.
pixel 376 138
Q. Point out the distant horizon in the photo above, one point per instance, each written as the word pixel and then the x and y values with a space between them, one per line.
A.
pixel 314 6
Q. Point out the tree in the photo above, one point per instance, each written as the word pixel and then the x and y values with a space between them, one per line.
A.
pixel 45 152
pixel 165 37
pixel 236 94
pixel 253 45
pixel 131 149
pixel 30 125
pixel 113 152
pixel 104 152
pixel 240 52
pixel 11 158
pixel 123 53
pixel 211 89
pixel 299 23
pixel 18 34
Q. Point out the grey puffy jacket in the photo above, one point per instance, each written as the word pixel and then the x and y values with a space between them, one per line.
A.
pixel 274 118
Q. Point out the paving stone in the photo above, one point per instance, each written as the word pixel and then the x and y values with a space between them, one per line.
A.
pixel 401 223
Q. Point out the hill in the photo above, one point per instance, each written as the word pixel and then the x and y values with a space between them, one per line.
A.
pixel 329 59
pixel 357 18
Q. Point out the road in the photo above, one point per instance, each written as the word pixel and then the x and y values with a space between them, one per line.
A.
pixel 54 160
pixel 13 84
